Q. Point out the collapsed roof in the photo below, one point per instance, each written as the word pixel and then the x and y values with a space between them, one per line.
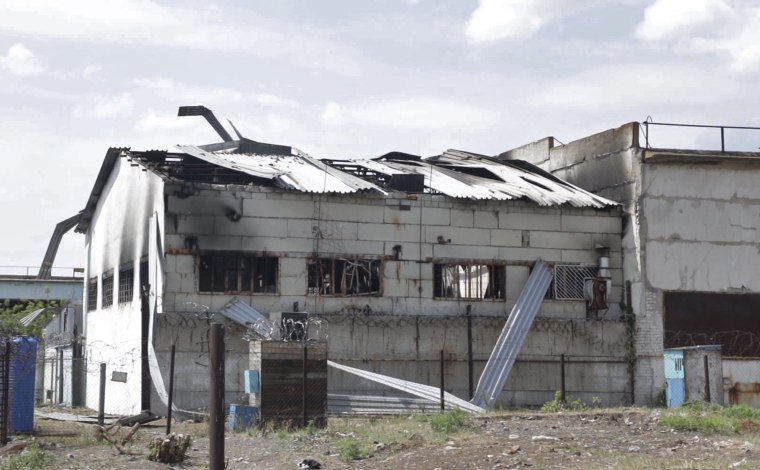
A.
pixel 454 173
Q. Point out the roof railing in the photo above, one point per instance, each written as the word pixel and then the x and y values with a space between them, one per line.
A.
pixel 648 123
pixel 58 272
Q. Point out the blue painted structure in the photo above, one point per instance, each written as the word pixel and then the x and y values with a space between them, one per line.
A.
pixel 251 381
pixel 242 417
pixel 675 393
pixel 22 374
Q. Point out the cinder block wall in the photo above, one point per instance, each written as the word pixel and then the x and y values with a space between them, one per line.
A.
pixel 295 227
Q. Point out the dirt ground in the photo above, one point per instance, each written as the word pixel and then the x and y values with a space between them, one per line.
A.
pixel 599 439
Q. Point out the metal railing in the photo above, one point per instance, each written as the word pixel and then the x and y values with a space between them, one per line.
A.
pixel 60 272
pixel 722 129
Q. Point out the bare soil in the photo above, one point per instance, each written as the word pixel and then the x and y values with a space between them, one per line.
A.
pixel 600 439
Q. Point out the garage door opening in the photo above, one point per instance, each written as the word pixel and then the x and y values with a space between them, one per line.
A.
pixel 696 318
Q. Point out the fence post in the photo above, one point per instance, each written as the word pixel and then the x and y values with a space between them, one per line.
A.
pixel 102 398
pixel 216 397
pixel 60 377
pixel 707 380
pixel 304 384
pixel 171 392
pixel 6 412
pixel 443 402
pixel 562 378
pixel 470 381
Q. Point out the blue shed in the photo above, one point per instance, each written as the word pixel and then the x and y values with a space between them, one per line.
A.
pixel 22 372
pixel 675 391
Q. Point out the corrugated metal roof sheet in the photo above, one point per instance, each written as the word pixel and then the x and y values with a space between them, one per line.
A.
pixel 512 336
pixel 454 173
pixel 247 316
pixel 299 171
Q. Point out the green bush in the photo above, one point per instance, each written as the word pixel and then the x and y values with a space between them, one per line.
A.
pixel 350 449
pixel 558 405
pixel 32 458
pixel 449 422
pixel 707 418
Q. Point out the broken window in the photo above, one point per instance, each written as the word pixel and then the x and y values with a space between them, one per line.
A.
pixel 107 299
pixel 235 272
pixel 341 276
pixel 92 294
pixel 126 284
pixel 469 281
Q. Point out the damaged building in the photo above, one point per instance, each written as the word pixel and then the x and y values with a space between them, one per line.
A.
pixel 397 258
pixel 690 242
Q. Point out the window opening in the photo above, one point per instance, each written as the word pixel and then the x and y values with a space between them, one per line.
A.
pixel 343 277
pixel 107 290
pixel 469 281
pixel 126 285
pixel 92 294
pixel 232 272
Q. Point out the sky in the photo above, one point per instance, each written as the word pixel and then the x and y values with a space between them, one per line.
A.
pixel 347 78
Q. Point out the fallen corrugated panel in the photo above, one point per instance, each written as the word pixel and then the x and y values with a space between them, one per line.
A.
pixel 28 319
pixel 375 405
pixel 512 336
pixel 247 316
pixel 427 392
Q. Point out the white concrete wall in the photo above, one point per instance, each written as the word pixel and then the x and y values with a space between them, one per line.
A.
pixel 284 224
pixel 117 235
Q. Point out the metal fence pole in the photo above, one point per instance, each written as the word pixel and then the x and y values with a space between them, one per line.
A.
pixel 171 392
pixel 707 380
pixel 304 384
pixel 470 381
pixel 562 378
pixel 216 397
pixel 102 397
pixel 443 402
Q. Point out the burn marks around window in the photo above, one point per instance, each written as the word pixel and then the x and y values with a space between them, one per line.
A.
pixel 344 277
pixel 92 294
pixel 469 281
pixel 238 272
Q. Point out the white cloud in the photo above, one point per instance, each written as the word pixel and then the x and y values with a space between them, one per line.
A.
pixel 92 72
pixel 500 19
pixel 730 29
pixel 669 18
pixel 21 61
pixel 331 115
pixel 152 121
pixel 184 93
pixel 632 86
pixel 417 113
pixel 146 22
pixel 493 20
pixel 105 106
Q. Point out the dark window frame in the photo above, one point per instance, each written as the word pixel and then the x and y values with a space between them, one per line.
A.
pixel 92 294
pixel 126 284
pixel 106 299
pixel 234 272
pixel 494 291
pixel 344 277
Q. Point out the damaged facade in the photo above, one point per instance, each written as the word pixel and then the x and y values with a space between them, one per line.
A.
pixel 399 257
pixel 690 245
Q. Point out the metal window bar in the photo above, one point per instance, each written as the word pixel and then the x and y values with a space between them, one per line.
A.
pixel 107 291
pixel 569 280
pixel 126 285
pixel 92 294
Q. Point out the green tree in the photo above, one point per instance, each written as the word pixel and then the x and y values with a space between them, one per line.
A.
pixel 12 311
